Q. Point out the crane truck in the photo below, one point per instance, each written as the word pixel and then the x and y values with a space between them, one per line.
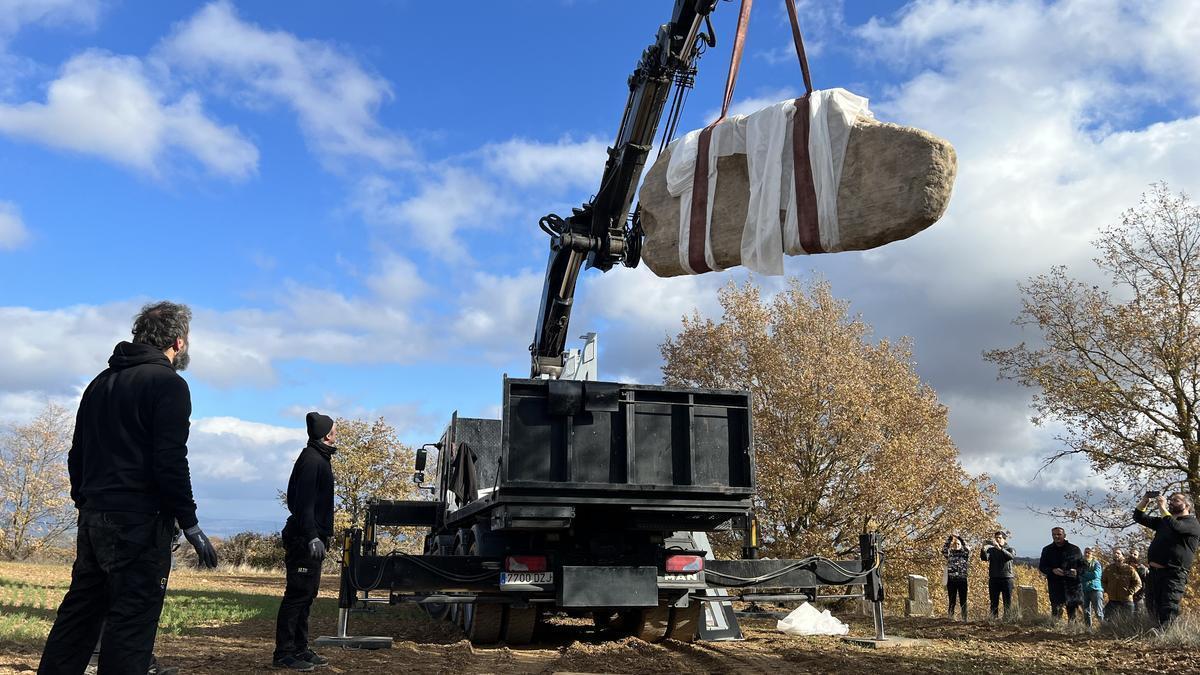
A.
pixel 586 497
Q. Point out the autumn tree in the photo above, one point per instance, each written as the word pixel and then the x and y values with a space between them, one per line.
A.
pixel 35 491
pixel 371 462
pixel 845 432
pixel 1119 367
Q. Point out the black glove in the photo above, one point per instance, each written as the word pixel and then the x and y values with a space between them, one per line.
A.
pixel 205 552
pixel 316 549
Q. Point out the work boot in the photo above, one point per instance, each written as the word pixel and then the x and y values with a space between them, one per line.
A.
pixel 293 663
pixel 313 658
pixel 157 668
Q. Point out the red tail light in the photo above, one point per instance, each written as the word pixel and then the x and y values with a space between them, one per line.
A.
pixel 685 564
pixel 525 563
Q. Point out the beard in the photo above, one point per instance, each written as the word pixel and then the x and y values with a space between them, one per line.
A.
pixel 181 360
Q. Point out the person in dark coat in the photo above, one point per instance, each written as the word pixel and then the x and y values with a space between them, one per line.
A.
pixel 999 557
pixel 1170 556
pixel 958 557
pixel 131 484
pixel 306 537
pixel 1062 562
pixel 1143 572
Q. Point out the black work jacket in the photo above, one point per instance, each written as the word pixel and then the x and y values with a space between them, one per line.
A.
pixel 1175 539
pixel 129 449
pixel 310 494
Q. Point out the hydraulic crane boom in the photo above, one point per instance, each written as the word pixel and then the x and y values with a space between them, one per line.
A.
pixel 597 232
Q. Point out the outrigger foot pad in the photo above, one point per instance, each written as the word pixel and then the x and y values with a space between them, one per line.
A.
pixel 355 642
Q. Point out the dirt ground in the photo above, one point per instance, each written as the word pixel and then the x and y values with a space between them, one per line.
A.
pixel 567 645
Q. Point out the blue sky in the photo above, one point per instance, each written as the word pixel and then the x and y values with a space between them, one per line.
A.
pixel 348 198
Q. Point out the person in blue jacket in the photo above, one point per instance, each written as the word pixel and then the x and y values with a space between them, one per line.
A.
pixel 1093 590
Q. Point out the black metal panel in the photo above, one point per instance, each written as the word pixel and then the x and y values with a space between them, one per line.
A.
pixel 483 436
pixel 792 573
pixel 608 587
pixel 392 513
pixel 640 436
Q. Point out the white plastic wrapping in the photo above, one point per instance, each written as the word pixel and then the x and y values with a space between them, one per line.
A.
pixel 763 137
pixel 808 620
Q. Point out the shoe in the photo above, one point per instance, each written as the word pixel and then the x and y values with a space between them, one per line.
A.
pixel 293 663
pixel 313 658
pixel 157 668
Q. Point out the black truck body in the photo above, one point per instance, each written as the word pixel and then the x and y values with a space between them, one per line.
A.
pixel 585 497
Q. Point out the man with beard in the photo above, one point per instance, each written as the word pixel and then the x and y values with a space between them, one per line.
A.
pixel 1062 563
pixel 306 538
pixel 1176 536
pixel 130 482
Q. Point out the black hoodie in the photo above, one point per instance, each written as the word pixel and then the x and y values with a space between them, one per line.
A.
pixel 129 452
pixel 310 494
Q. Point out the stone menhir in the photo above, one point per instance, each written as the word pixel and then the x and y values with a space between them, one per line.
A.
pixel 896 181
pixel 1027 601
pixel 917 603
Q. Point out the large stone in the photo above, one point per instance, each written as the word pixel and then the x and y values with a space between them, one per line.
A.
pixel 896 181
pixel 917 603
pixel 1027 601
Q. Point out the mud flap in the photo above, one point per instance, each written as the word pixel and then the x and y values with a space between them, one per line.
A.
pixel 608 586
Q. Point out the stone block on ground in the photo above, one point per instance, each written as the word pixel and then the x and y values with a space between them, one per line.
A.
pixel 917 603
pixel 1027 601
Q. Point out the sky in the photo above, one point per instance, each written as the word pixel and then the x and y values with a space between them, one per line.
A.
pixel 349 198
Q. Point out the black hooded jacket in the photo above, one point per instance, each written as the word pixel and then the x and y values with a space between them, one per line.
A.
pixel 310 494
pixel 1175 539
pixel 1068 557
pixel 129 451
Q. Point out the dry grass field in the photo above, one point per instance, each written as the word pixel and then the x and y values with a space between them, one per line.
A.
pixel 223 622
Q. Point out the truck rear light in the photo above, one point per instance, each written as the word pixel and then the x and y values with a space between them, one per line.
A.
pixel 525 563
pixel 685 564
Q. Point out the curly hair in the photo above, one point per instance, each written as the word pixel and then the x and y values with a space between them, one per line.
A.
pixel 160 323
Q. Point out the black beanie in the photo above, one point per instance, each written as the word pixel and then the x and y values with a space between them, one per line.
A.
pixel 318 425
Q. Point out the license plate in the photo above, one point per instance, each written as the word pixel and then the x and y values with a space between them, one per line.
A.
pixel 520 579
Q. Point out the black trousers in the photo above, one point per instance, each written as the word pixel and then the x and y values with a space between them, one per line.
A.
pixel 956 587
pixel 1167 586
pixel 118 581
pixel 303 580
pixel 1061 594
pixel 997 587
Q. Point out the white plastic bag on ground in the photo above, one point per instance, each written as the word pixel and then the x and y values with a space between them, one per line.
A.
pixel 808 620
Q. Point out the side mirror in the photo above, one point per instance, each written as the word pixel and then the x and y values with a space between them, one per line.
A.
pixel 422 457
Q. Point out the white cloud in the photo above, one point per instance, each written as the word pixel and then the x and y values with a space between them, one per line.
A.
pixel 233 449
pixel 497 314
pixel 451 200
pixel 15 14
pixel 13 233
pixel 565 163
pixel 106 105
pixel 335 99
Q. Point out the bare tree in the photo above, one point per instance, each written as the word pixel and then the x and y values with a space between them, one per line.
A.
pixel 1119 368
pixel 35 491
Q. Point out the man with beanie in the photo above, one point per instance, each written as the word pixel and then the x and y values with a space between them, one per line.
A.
pixel 131 484
pixel 306 537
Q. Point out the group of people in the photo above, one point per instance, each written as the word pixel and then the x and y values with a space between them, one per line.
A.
pixel 1077 579
pixel 132 487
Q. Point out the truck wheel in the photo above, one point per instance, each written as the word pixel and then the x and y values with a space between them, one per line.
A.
pixel 652 623
pixel 520 624
pixel 685 622
pixel 482 622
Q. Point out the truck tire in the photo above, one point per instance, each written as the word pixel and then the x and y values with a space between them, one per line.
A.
pixel 652 623
pixel 482 622
pixel 685 622
pixel 520 624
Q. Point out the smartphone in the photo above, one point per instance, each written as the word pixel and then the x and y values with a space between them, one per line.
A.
pixel 1152 494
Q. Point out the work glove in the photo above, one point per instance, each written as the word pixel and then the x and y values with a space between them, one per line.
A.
pixel 205 552
pixel 316 549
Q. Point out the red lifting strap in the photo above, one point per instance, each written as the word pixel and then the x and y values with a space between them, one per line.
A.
pixel 806 198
